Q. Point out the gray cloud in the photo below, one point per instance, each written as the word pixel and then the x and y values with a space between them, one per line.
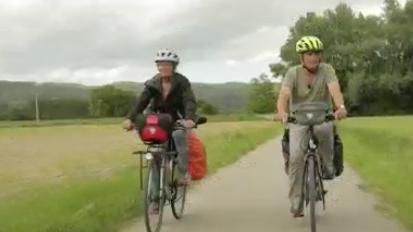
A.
pixel 42 37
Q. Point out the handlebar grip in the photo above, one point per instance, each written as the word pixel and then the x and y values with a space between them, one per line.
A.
pixel 330 117
pixel 291 119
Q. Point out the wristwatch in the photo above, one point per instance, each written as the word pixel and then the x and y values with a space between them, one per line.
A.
pixel 342 106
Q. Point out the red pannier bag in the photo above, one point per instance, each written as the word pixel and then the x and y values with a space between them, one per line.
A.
pixel 197 159
pixel 154 128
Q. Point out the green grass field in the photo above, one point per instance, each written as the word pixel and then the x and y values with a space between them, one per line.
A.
pixel 381 150
pixel 83 177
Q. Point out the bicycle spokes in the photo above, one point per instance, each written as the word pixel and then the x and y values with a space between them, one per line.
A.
pixel 154 200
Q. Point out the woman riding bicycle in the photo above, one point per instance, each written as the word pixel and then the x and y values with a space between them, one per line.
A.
pixel 169 92
pixel 311 81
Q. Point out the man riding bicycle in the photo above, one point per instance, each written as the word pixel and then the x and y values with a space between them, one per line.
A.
pixel 169 92
pixel 311 81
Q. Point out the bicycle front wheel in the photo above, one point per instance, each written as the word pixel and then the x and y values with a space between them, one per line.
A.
pixel 312 192
pixel 154 199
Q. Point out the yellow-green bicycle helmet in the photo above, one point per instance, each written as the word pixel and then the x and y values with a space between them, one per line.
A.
pixel 309 44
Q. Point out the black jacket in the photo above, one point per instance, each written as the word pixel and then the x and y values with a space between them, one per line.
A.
pixel 180 101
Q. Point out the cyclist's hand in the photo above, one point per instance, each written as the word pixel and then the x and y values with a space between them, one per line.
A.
pixel 340 113
pixel 280 117
pixel 127 125
pixel 275 117
pixel 189 123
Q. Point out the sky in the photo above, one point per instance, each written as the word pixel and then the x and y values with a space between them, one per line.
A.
pixel 96 42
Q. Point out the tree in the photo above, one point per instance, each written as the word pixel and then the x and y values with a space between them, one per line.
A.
pixel 63 108
pixel 108 101
pixel 262 97
pixel 278 69
pixel 206 108
pixel 20 110
pixel 372 55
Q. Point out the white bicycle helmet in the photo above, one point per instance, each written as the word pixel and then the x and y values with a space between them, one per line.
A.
pixel 167 55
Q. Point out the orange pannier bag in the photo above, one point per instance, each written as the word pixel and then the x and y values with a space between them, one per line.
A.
pixel 197 159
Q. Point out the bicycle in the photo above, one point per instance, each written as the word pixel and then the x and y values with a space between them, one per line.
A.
pixel 312 187
pixel 161 160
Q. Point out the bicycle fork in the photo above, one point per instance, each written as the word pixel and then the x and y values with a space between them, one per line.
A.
pixel 311 154
pixel 165 188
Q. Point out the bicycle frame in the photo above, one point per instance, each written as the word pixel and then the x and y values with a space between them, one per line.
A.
pixel 164 152
pixel 312 148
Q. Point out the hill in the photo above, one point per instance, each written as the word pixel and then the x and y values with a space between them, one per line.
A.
pixel 228 97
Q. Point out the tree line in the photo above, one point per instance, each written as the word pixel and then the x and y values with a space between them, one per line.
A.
pixel 104 101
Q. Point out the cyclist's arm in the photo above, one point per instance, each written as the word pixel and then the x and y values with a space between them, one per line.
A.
pixel 335 92
pixel 334 87
pixel 282 101
pixel 189 101
pixel 140 104
pixel 285 92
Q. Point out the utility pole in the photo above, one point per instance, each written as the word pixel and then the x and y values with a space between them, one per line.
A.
pixel 37 106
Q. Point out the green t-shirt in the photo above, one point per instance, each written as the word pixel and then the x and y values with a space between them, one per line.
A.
pixel 302 93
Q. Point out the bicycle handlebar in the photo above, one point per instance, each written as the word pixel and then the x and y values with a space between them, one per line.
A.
pixel 200 121
pixel 329 118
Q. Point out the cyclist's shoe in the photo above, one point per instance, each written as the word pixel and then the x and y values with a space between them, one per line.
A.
pixel 297 212
pixel 297 208
pixel 184 179
pixel 298 215
pixel 153 208
pixel 328 173
pixel 328 176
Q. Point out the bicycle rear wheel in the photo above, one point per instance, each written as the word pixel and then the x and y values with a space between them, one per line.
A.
pixel 178 194
pixel 312 192
pixel 154 199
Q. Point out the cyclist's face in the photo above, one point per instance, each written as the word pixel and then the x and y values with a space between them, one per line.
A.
pixel 311 59
pixel 165 69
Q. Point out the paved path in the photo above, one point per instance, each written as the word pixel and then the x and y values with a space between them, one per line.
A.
pixel 251 195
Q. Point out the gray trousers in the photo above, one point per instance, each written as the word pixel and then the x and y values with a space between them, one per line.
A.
pixel 299 138
pixel 180 139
